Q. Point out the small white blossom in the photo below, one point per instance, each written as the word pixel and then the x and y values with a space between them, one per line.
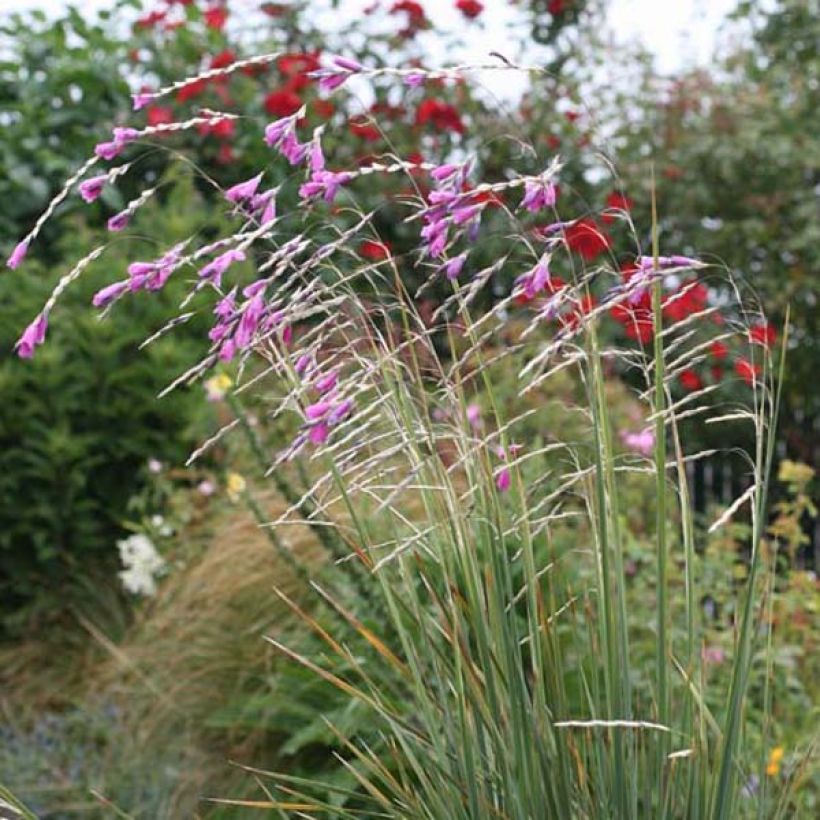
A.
pixel 142 564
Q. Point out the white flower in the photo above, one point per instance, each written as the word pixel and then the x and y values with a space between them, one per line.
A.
pixel 142 563
pixel 163 528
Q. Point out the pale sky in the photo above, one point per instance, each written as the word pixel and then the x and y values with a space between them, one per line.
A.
pixel 680 33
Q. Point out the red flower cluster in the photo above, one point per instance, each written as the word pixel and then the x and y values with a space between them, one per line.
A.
pixel 158 115
pixel 215 17
pixel 685 301
pixel 441 115
pixel 282 103
pixel 637 319
pixel 470 8
pixel 747 371
pixel 223 59
pixel 616 201
pixel 191 90
pixel 294 68
pixel 149 20
pixel 587 238
pixel 374 250
pixel 763 334
pixel 690 381
pixel 363 128
pixel 416 18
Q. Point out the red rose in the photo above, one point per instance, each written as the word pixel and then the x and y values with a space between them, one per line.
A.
pixel 688 299
pixel 149 20
pixel 364 129
pixel 616 201
pixel 441 115
pixel 587 238
pixel 298 63
pixel 223 59
pixel 324 108
pixel 763 334
pixel 718 350
pixel 191 90
pixel 374 250
pixel 747 371
pixel 215 17
pixel 159 115
pixel 637 319
pixel 282 103
pixel 469 8
pixel 690 380
pixel 416 18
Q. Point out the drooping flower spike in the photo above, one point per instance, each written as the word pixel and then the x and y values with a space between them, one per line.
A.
pixel 243 191
pixel 144 98
pixel 18 254
pixel 32 336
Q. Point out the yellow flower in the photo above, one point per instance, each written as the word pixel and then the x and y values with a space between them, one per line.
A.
pixel 235 486
pixel 775 757
pixel 217 386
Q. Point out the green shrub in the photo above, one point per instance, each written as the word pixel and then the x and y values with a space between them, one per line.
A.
pixel 78 425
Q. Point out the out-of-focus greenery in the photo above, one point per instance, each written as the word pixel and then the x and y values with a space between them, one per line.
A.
pixel 79 422
pixel 737 169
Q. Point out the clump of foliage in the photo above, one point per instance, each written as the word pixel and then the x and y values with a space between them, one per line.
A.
pixel 77 430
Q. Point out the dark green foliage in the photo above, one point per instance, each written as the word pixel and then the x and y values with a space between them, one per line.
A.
pixel 77 425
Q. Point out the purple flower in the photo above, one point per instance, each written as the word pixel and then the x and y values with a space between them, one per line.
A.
pixel 243 190
pixel 32 336
pixel 331 80
pixel 293 150
pixel 18 254
pixel 326 183
pixel 141 269
pixel 142 99
pixel 125 135
pixel 648 262
pixel 227 351
pixel 443 172
pixel 90 189
pixel 213 270
pixel 347 64
pixel 643 442
pixel 248 324
pixel 340 412
pixel 319 433
pixel 254 288
pixel 159 277
pixel 445 198
pixel 474 415
pixel 452 268
pixel 265 202
pixel 327 382
pixel 109 294
pixel 119 221
pixel 535 280
pixel 414 79
pixel 275 131
pixel 314 412
pixel 316 158
pixel 538 194
pixel 304 364
pixel 503 479
pixel 108 150
pixel 466 213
